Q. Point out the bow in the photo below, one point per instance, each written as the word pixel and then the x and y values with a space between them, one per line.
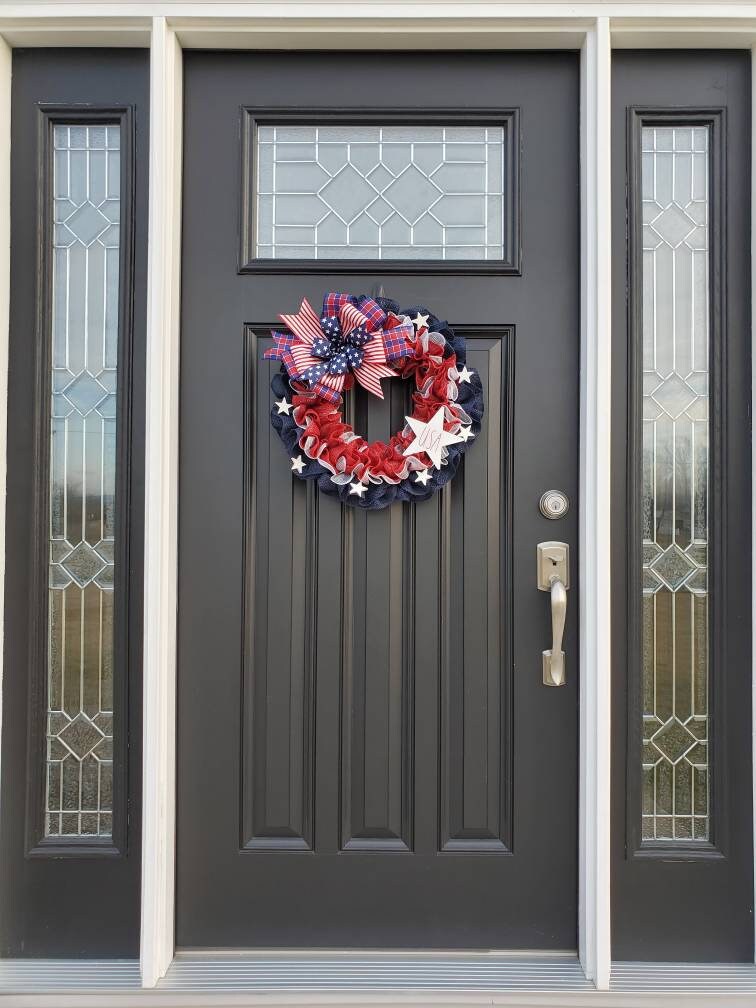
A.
pixel 354 338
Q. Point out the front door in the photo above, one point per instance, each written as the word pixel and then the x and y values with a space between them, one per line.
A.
pixel 368 756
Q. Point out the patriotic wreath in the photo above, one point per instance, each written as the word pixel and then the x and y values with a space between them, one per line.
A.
pixel 361 339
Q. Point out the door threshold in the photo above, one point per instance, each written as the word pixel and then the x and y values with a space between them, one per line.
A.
pixel 696 978
pixel 34 976
pixel 355 979
pixel 375 971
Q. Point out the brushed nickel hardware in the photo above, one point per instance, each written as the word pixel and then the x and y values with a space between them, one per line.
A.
pixel 554 504
pixel 554 577
pixel 553 562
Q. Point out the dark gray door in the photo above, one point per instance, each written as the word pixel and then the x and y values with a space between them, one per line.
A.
pixel 367 754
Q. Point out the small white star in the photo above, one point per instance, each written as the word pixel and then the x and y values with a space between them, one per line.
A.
pixel 423 476
pixel 465 375
pixel 420 321
pixel 466 433
pixel 431 437
pixel 358 489
pixel 283 406
pixel 297 465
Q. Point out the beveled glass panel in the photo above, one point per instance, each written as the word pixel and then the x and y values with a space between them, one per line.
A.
pixel 379 192
pixel 85 290
pixel 675 482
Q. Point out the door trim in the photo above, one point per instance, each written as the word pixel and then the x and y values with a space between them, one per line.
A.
pixel 37 844
pixel 716 847
pixel 253 117
pixel 594 618
pixel 594 791
pixel 594 917
pixel 161 505
pixel 440 26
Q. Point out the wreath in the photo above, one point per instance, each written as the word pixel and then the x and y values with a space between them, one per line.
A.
pixel 362 340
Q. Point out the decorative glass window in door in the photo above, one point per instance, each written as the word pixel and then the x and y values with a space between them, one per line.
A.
pixel 337 191
pixel 675 481
pixel 84 376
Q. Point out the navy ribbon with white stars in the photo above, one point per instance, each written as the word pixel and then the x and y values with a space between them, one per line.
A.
pixel 341 353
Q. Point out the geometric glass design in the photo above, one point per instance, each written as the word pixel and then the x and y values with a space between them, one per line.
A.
pixel 675 482
pixel 85 295
pixel 380 192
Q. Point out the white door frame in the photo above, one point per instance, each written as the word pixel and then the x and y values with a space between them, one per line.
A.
pixel 167 28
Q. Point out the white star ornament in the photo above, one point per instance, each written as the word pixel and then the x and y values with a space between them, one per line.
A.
pixel 420 321
pixel 431 437
pixel 423 476
pixel 297 465
pixel 465 433
pixel 465 375
pixel 358 489
pixel 283 406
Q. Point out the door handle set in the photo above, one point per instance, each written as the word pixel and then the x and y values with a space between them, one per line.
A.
pixel 553 576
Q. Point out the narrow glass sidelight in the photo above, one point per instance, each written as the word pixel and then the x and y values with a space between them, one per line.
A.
pixel 675 481
pixel 83 377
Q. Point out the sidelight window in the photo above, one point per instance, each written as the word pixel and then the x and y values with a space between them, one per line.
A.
pixel 82 386
pixel 675 480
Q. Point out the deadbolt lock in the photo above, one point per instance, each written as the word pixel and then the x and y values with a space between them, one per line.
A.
pixel 554 504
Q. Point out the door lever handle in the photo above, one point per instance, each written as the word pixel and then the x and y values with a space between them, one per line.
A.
pixel 553 577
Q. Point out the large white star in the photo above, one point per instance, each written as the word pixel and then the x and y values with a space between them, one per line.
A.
pixel 431 437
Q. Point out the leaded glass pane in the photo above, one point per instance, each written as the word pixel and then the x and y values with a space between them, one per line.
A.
pixel 675 482
pixel 85 288
pixel 380 192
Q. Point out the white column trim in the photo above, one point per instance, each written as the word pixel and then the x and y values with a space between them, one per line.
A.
pixel 6 62
pixel 753 449
pixel 595 470
pixel 161 506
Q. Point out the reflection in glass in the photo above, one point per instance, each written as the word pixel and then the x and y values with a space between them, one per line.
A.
pixel 85 282
pixel 380 192
pixel 675 482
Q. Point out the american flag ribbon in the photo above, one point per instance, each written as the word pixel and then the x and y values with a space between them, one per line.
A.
pixel 353 338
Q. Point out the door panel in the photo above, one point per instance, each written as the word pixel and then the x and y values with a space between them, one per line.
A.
pixel 349 774
pixel 70 829
pixel 682 869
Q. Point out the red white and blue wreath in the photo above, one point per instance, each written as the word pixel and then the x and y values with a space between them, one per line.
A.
pixel 361 339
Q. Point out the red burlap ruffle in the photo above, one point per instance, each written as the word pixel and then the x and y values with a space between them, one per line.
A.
pixel 323 428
